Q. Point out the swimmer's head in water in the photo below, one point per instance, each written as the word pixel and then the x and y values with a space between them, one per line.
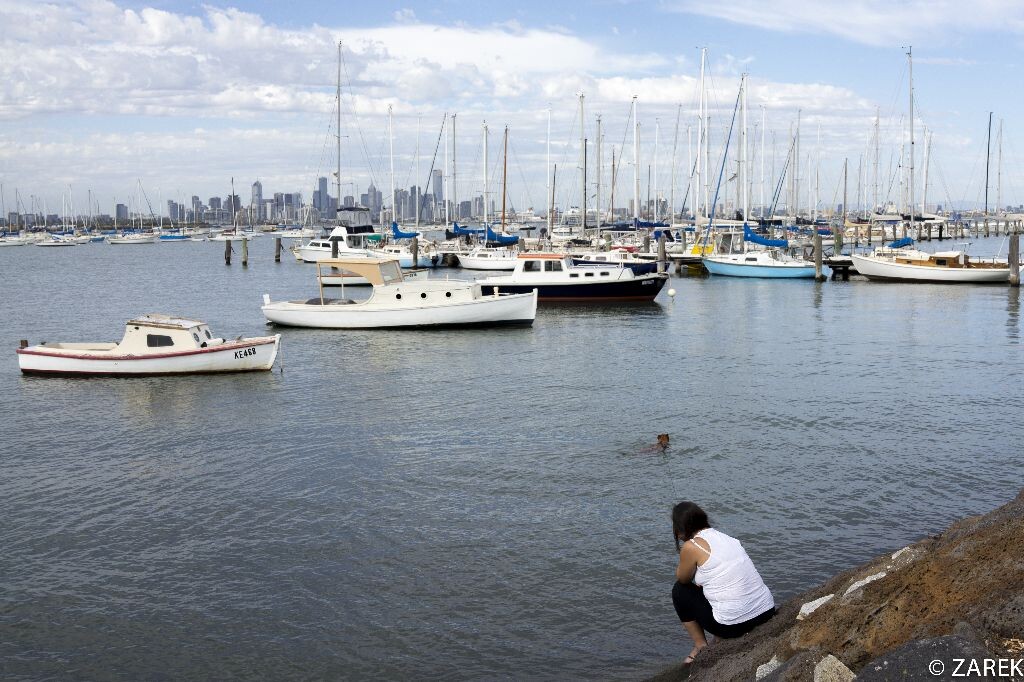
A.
pixel 663 439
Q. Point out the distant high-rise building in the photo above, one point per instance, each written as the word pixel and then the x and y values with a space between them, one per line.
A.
pixel 121 211
pixel 349 201
pixel 234 204
pixel 465 209
pixel 257 199
pixel 437 186
pixel 215 203
pixel 321 187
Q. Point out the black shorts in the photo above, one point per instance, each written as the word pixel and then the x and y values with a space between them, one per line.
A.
pixel 692 605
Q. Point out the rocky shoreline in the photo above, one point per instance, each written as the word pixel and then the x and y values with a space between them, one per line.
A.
pixel 957 595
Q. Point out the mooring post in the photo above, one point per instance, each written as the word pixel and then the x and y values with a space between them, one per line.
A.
pixel 986 227
pixel 818 276
pixel 245 252
pixel 1014 258
pixel 277 249
pixel 647 242
pixel 227 252
pixel 415 248
pixel 662 255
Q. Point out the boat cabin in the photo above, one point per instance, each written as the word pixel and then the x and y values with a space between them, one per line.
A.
pixel 163 333
pixel 557 266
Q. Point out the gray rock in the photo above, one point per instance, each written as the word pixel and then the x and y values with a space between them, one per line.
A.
pixel 831 669
pixel 924 659
pixel 768 668
pixel 812 606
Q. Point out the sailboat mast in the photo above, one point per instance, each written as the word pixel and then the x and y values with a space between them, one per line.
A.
pixel 611 203
pixel 391 154
pixel 672 175
pixel 657 133
pixel 583 169
pixel 924 180
pixel 636 163
pixel 796 166
pixel 874 199
pixel 550 180
pixel 988 156
pixel 763 132
pixel 701 133
pixel 418 192
pixel 504 179
pixel 455 184
pixel 817 175
pixel 999 168
pixel 444 190
pixel 486 223
pixel 743 149
pixel 597 164
pixel 337 184
pixel 910 122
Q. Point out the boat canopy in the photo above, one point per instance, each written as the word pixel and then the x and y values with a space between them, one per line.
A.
pixel 377 271
pixel 398 234
pixel 464 231
pixel 901 243
pixel 754 238
pixel 492 236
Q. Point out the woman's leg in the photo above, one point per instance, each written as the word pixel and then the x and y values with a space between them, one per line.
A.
pixel 693 610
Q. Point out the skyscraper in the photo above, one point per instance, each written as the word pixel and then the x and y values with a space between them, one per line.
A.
pixel 322 188
pixel 437 186
pixel 257 199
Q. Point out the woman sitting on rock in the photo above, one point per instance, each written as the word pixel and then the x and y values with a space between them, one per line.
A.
pixel 718 590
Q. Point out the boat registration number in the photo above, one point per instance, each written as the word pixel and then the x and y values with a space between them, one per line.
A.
pixel 245 353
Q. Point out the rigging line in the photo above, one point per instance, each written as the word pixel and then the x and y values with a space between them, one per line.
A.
pixel 355 118
pixel 725 153
pixel 622 146
pixel 433 161
pixel 522 175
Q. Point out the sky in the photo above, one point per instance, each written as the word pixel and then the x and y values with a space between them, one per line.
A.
pixel 102 98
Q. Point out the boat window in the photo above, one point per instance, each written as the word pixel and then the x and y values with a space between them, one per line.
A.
pixel 195 336
pixel 448 294
pixel 158 340
pixel 601 258
pixel 574 274
pixel 941 261
pixel 208 335
pixel 398 296
pixel 751 259
pixel 423 295
pixel 531 266
pixel 588 274
pixel 605 273
pixel 553 266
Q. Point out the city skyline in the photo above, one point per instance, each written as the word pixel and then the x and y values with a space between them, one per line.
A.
pixel 105 96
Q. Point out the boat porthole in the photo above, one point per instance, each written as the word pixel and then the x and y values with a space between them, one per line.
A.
pixel 398 296
pixel 448 294
pixel 423 295
pixel 195 336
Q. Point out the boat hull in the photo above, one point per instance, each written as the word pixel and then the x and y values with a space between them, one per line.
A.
pixel 644 288
pixel 468 262
pixel 484 311
pixel 245 355
pixel 879 269
pixel 732 269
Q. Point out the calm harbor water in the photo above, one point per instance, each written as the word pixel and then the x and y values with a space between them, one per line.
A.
pixel 468 504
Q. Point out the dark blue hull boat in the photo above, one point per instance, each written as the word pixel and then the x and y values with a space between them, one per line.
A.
pixel 642 288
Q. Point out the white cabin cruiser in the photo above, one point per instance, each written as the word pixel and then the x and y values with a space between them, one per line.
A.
pixel 488 258
pixel 554 277
pixel 152 345
pixel 397 303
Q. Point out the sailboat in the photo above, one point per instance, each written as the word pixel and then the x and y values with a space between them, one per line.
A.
pixel 501 257
pixel 900 262
pixel 758 256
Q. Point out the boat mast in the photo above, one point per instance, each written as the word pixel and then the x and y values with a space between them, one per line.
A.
pixel 418 190
pixel 763 131
pixel 504 179
pixel 910 96
pixel 337 184
pixel 611 203
pixel 817 176
pixel 486 223
pixel 874 199
pixel 696 172
pixel 999 168
pixel 550 180
pixel 455 185
pixel 924 180
pixel 636 164
pixel 444 189
pixel 988 156
pixel 689 187
pixel 672 175
pixel 657 133
pixel 597 163
pixel 796 166
pixel 391 156
pixel 743 150
pixel 583 169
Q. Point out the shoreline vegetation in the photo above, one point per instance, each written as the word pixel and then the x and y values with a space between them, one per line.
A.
pixel 956 595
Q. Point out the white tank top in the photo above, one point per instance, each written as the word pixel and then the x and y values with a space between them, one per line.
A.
pixel 731 584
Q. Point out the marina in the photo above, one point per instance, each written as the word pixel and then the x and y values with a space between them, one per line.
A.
pixel 294 544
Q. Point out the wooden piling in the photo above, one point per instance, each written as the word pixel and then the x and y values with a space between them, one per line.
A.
pixel 334 248
pixel 662 255
pixel 245 252
pixel 415 248
pixel 227 252
pixel 647 242
pixel 818 276
pixel 986 227
pixel 277 249
pixel 1014 258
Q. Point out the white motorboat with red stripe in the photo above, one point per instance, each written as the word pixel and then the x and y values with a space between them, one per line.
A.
pixel 153 345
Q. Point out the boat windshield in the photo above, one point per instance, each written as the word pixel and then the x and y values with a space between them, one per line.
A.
pixel 390 272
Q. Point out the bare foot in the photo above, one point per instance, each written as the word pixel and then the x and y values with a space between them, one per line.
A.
pixel 693 655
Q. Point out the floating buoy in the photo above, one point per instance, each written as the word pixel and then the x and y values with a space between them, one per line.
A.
pixel 671 293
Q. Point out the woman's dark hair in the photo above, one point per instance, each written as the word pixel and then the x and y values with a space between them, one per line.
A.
pixel 687 520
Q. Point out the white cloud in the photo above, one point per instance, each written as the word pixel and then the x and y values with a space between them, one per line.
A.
pixel 872 22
